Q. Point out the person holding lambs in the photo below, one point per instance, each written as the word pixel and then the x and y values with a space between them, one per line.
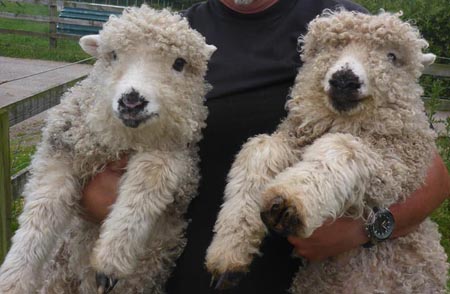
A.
pixel 251 73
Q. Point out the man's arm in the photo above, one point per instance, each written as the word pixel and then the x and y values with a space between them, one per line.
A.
pixel 345 234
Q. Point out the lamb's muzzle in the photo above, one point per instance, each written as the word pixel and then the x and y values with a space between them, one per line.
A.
pixel 131 109
pixel 346 83
pixel 344 90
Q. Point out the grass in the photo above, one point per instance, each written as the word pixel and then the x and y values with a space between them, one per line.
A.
pixel 23 8
pixel 21 156
pixel 34 47
pixel 38 48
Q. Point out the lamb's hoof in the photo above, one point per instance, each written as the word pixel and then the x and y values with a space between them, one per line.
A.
pixel 105 284
pixel 228 280
pixel 281 217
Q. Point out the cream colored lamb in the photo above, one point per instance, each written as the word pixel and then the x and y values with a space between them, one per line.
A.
pixel 356 137
pixel 143 98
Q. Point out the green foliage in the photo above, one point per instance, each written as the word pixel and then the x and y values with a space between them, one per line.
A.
pixel 431 16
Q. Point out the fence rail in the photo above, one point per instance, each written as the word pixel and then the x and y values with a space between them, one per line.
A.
pixel 47 19
pixel 438 70
pixel 33 105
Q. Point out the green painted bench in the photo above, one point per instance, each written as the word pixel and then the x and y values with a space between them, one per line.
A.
pixel 82 14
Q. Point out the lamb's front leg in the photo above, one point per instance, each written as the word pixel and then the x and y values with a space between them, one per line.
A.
pixel 239 229
pixel 50 197
pixel 331 178
pixel 145 190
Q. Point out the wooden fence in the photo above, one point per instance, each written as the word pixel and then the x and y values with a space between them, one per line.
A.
pixel 11 186
pixel 53 19
pixel 99 5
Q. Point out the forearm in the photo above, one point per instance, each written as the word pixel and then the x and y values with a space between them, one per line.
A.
pixel 345 234
pixel 423 201
pixel 410 213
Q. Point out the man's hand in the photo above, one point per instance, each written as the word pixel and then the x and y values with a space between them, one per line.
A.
pixel 345 234
pixel 101 192
pixel 332 239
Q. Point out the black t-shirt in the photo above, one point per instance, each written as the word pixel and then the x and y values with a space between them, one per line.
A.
pixel 251 72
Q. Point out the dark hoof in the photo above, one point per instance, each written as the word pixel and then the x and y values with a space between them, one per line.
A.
pixel 105 284
pixel 281 217
pixel 228 280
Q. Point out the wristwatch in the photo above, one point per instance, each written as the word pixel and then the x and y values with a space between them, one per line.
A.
pixel 379 227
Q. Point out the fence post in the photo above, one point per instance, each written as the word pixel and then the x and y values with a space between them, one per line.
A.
pixel 53 13
pixel 5 186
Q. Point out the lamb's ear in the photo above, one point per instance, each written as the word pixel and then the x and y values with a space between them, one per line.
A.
pixel 90 44
pixel 428 59
pixel 210 49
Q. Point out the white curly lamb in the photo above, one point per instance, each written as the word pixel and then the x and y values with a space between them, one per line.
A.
pixel 143 98
pixel 356 137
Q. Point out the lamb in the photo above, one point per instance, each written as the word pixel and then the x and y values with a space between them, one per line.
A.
pixel 356 137
pixel 144 97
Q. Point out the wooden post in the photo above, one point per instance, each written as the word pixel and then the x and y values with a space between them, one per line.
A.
pixel 53 13
pixel 5 186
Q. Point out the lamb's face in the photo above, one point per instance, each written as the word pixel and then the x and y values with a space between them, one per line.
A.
pixel 359 61
pixel 140 83
pixel 143 85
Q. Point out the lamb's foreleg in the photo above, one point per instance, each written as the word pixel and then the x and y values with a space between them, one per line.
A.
pixel 331 178
pixel 239 229
pixel 145 190
pixel 50 197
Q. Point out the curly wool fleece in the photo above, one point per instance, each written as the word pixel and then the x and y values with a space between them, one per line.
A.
pixel 323 163
pixel 55 250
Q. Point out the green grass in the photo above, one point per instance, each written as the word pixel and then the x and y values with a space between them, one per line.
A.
pixel 22 147
pixel 34 47
pixel 23 8
pixel 38 48
pixel 22 158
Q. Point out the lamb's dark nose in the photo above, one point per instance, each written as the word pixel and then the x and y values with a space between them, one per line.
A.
pixel 344 90
pixel 132 99
pixel 344 80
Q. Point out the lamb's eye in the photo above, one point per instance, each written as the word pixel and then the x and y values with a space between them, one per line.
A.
pixel 178 64
pixel 114 55
pixel 392 57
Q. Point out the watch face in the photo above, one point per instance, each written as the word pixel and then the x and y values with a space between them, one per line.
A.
pixel 383 226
